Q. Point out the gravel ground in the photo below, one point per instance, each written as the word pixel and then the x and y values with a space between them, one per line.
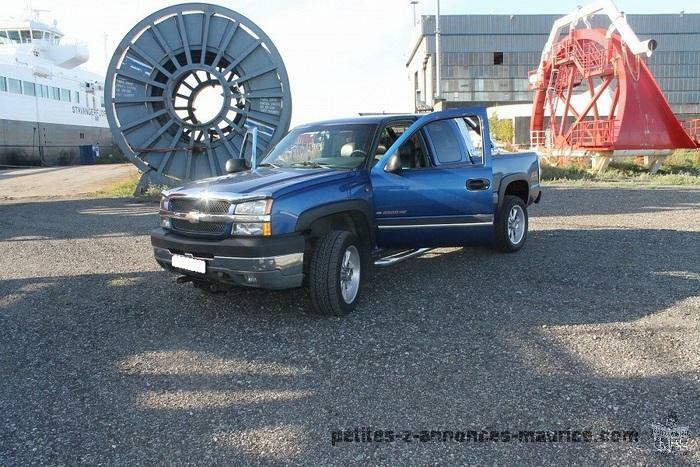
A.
pixel 595 324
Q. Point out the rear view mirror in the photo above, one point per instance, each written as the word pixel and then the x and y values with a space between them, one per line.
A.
pixel 393 165
pixel 235 165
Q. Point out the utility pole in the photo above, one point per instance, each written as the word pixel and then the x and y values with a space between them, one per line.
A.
pixel 438 92
pixel 105 37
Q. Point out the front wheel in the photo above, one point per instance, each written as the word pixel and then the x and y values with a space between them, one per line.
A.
pixel 335 280
pixel 511 225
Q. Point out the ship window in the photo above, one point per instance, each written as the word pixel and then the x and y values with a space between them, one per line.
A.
pixel 3 84
pixel 14 85
pixel 14 36
pixel 76 94
pixel 36 35
pixel 56 93
pixel 29 88
pixel 3 38
pixel 26 36
pixel 65 95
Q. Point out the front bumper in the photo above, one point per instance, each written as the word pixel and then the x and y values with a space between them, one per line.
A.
pixel 270 263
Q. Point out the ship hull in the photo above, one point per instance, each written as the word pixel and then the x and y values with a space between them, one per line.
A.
pixel 32 144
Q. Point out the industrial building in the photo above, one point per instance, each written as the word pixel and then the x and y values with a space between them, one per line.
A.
pixel 485 60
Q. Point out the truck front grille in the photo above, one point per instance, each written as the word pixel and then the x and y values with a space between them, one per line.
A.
pixel 205 206
pixel 202 228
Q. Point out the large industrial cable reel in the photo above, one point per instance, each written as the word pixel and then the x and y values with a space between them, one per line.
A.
pixel 184 87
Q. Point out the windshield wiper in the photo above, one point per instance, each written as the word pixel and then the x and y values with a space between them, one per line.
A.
pixel 315 165
pixel 268 164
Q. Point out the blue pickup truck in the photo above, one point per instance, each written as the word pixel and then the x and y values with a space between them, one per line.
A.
pixel 334 199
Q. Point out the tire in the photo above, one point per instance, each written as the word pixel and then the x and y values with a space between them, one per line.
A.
pixel 336 273
pixel 511 225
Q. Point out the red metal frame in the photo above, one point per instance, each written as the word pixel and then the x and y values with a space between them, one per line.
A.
pixel 692 127
pixel 587 64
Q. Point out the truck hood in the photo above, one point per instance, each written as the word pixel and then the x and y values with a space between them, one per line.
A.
pixel 263 181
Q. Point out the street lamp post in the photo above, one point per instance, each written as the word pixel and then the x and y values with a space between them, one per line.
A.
pixel 414 3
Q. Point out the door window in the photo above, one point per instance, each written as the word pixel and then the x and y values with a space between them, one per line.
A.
pixel 456 140
pixel 388 137
pixel 412 153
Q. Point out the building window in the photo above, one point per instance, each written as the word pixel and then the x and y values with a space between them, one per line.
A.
pixel 498 58
pixel 65 95
pixel 14 85
pixel 55 93
pixel 29 88
pixel 3 84
pixel 82 135
pixel 14 36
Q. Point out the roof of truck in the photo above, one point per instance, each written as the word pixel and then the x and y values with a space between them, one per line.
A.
pixel 371 119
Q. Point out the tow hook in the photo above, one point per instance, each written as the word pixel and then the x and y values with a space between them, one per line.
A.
pixel 183 279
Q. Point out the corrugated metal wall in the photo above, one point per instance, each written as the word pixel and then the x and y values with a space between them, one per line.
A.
pixel 469 42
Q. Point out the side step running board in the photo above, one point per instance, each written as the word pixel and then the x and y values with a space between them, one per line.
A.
pixel 400 256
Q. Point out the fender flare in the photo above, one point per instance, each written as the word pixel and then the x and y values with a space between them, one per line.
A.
pixel 309 216
pixel 507 180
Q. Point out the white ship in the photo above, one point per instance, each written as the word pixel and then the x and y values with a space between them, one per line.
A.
pixel 48 105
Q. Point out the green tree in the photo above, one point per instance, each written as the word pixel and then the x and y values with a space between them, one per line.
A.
pixel 502 130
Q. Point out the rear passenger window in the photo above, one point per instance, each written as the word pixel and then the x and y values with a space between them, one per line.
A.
pixel 456 140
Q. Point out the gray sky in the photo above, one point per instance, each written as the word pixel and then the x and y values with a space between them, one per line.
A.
pixel 343 56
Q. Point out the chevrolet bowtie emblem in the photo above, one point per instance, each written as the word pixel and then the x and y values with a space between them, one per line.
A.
pixel 192 217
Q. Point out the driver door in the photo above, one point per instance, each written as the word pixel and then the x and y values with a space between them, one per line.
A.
pixel 439 190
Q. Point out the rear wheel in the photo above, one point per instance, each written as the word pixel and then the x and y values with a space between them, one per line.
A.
pixel 335 280
pixel 511 225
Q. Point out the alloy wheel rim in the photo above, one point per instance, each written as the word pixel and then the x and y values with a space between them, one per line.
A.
pixel 350 274
pixel 516 224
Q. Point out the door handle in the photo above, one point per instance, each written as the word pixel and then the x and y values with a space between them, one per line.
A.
pixel 475 184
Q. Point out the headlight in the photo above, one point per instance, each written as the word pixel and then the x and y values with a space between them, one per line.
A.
pixel 165 203
pixel 254 218
pixel 254 208
pixel 165 206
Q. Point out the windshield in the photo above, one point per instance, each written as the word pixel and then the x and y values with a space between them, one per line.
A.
pixel 343 146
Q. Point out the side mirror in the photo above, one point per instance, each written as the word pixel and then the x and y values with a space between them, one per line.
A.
pixel 235 165
pixel 393 165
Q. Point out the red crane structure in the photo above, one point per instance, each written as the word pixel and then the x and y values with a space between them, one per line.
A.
pixel 595 95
